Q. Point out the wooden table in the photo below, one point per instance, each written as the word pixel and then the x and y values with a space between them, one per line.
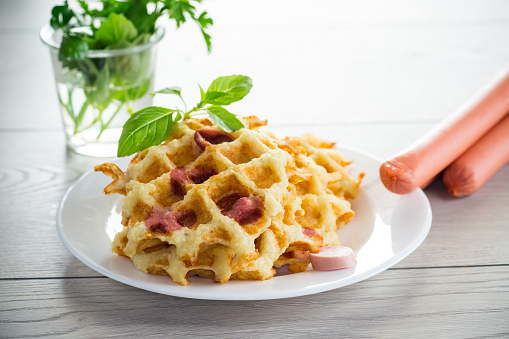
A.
pixel 373 75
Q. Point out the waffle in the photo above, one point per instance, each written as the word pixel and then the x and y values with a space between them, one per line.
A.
pixel 230 206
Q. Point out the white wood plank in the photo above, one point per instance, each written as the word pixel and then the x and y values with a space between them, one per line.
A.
pixel 23 14
pixel 358 63
pixel 427 303
pixel 35 172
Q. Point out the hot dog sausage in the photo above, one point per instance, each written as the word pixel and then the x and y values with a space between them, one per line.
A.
pixel 440 147
pixel 474 167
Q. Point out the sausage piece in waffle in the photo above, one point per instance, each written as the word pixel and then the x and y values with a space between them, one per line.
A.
pixel 229 205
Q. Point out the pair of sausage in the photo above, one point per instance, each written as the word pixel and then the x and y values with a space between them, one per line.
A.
pixel 471 146
pixel 472 169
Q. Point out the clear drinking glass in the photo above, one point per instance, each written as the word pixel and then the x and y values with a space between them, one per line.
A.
pixel 98 94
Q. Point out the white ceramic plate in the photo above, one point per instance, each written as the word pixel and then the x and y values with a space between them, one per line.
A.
pixel 386 228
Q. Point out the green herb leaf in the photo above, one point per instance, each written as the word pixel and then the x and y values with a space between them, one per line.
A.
pixel 72 47
pixel 204 20
pixel 133 93
pixel 207 39
pixel 138 14
pixel 213 97
pixel 204 23
pixel 100 94
pixel 147 127
pixel 168 90
pixel 178 117
pixel 224 119
pixel 177 10
pixel 116 28
pixel 60 16
pixel 171 90
pixel 235 88
pixel 202 97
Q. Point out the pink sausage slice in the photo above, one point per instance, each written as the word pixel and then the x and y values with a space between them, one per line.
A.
pixel 333 258
pixel 206 136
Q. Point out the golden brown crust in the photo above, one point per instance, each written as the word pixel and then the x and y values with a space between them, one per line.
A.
pixel 112 170
pixel 301 184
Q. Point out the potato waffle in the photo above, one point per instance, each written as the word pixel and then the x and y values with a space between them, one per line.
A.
pixel 230 206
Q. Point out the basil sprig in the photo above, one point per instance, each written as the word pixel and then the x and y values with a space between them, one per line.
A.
pixel 152 125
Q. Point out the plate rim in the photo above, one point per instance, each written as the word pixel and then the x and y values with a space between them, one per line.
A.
pixel 401 255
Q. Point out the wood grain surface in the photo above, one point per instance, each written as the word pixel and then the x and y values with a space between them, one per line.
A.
pixel 370 75
pixel 404 303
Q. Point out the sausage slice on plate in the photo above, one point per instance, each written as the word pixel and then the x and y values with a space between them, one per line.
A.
pixel 333 258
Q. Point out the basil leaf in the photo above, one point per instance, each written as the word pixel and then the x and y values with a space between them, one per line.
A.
pixel 149 126
pixel 213 97
pixel 168 90
pixel 72 47
pixel 171 90
pixel 202 97
pixel 235 87
pixel 227 121
pixel 116 28
pixel 177 118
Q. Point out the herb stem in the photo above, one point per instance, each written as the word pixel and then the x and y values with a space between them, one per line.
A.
pixel 69 108
pixel 188 113
pixel 185 106
pixel 80 116
pixel 97 118
pixel 127 101
pixel 66 107
pixel 105 126
pixel 200 113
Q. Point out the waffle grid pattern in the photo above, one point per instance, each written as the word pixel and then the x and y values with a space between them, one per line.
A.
pixel 300 185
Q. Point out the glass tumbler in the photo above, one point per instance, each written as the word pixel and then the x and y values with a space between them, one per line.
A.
pixel 97 94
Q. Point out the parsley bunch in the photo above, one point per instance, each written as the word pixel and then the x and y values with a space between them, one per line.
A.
pixel 117 22
pixel 112 84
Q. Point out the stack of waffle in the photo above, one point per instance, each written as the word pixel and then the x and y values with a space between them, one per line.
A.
pixel 230 205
